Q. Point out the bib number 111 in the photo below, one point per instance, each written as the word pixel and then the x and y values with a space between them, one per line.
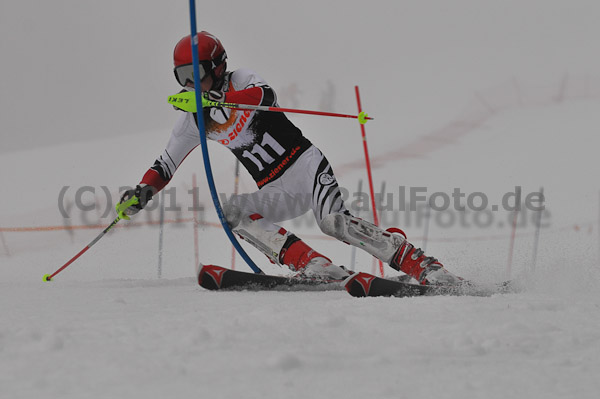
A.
pixel 258 151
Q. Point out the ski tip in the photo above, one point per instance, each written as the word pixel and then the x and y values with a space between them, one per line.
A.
pixel 359 284
pixel 47 277
pixel 211 276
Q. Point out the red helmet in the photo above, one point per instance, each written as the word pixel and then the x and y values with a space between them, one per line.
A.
pixel 211 55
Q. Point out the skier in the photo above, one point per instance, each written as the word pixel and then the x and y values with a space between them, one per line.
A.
pixel 292 175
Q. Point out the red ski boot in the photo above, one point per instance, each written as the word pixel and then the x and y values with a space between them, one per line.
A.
pixel 425 269
pixel 300 257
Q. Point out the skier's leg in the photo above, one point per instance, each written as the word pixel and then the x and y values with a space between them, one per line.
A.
pixel 334 220
pixel 245 216
pixel 362 234
pixel 390 246
pixel 281 246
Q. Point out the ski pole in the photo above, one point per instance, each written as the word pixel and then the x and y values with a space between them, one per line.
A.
pixel 186 102
pixel 121 215
pixel 161 231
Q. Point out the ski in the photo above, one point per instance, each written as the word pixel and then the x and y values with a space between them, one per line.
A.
pixel 215 278
pixel 364 284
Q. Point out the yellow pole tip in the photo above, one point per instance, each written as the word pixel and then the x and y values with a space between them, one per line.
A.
pixel 362 117
pixel 47 277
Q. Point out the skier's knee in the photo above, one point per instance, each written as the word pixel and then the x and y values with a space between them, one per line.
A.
pixel 332 225
pixel 233 214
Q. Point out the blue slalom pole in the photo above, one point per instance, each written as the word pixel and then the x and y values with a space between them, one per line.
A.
pixel 203 143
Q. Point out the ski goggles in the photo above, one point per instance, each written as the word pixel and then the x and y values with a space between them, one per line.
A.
pixel 185 73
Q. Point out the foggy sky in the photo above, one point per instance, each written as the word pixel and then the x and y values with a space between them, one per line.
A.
pixel 79 70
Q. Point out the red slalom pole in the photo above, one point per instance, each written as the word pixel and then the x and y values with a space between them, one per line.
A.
pixel 368 163
pixel 48 277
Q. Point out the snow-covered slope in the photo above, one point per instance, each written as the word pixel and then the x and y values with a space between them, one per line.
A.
pixel 156 339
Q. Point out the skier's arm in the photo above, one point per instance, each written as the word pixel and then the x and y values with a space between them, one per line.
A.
pixel 252 95
pixel 183 140
pixel 258 95
pixel 247 87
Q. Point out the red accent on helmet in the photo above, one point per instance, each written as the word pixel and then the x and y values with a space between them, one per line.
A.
pixel 210 50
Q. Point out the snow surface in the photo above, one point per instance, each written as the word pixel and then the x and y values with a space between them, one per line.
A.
pixel 168 338
pixel 469 94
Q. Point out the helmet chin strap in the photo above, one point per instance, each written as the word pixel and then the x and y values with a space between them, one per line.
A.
pixel 218 82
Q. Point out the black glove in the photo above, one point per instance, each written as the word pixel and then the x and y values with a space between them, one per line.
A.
pixel 218 114
pixel 143 195
pixel 214 95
